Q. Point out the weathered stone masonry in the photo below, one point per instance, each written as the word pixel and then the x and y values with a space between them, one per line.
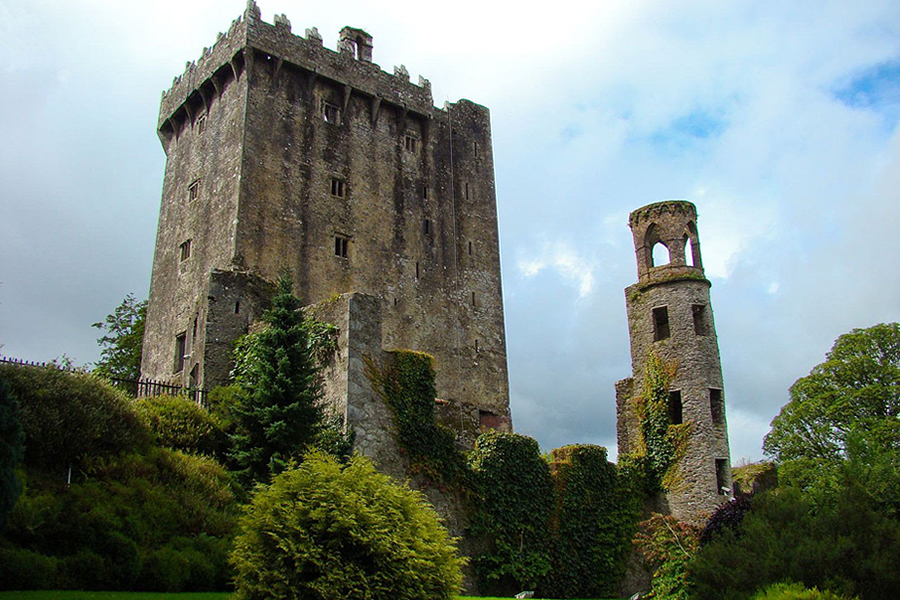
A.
pixel 283 155
pixel 669 313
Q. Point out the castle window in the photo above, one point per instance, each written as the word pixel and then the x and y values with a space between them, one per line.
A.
pixel 338 188
pixel 417 269
pixel 411 144
pixel 716 406
pixel 470 248
pixel 722 487
pixel 185 248
pixel 425 192
pixel 237 307
pixel 180 348
pixel 426 226
pixel 331 113
pixel 341 245
pixel 476 347
pixel 473 298
pixel 660 323
pixel 701 323
pixel 676 416
pixel 194 190
pixel 201 124
pixel 466 190
pixel 475 147
pixel 660 254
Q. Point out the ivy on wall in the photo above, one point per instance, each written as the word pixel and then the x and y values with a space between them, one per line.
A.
pixel 515 502
pixel 406 384
pixel 592 526
pixel 660 445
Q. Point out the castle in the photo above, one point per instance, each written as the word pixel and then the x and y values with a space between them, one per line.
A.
pixel 669 314
pixel 285 156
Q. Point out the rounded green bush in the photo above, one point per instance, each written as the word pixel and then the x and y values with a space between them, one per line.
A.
pixel 69 417
pixel 328 531
pixel 179 423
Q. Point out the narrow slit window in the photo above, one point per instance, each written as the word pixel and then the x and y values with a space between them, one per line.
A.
pixel 180 348
pixel 722 487
pixel 426 226
pixel 201 124
pixel 676 415
pixel 473 298
pixel 331 113
pixel 476 347
pixel 338 187
pixel 660 323
pixel 466 190
pixel 411 144
pixel 417 269
pixel 425 192
pixel 237 307
pixel 470 248
pixel 701 324
pixel 341 245
pixel 194 190
pixel 716 406
pixel 185 249
pixel 475 147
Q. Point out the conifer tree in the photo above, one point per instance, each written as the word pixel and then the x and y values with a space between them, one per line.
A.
pixel 278 413
pixel 12 439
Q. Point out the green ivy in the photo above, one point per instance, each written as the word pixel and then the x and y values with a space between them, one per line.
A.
pixel 515 502
pixel 660 445
pixel 593 522
pixel 406 384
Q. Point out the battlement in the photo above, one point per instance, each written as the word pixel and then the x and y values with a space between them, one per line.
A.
pixel 249 36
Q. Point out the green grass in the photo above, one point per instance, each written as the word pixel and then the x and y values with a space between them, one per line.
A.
pixel 59 595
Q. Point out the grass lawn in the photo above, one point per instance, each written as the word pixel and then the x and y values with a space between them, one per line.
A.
pixel 56 595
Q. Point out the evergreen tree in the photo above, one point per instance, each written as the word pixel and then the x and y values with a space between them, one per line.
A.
pixel 12 440
pixel 278 413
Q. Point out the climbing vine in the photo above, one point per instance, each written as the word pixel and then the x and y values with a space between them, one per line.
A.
pixel 660 445
pixel 593 522
pixel 406 384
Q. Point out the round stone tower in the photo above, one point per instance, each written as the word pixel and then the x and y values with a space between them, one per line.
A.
pixel 669 314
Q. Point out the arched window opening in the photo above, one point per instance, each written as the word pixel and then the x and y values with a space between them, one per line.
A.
pixel 660 255
pixel 688 251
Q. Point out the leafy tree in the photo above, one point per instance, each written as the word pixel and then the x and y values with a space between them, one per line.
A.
pixel 325 531
pixel 857 388
pixel 12 438
pixel 277 413
pixel 668 545
pixel 123 340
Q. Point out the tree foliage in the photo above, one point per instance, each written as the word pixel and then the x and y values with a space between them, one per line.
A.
pixel 326 531
pixel 123 339
pixel 12 440
pixel 277 415
pixel 857 388
pixel 668 545
pixel 181 424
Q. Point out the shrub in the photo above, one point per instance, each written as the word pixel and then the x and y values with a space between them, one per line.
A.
pixel 12 439
pixel 69 417
pixel 181 424
pixel 795 591
pixel 669 546
pixel 327 531
pixel 514 502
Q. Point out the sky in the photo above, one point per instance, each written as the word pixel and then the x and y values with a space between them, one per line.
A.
pixel 779 120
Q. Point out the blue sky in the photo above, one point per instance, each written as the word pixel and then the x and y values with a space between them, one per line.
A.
pixel 778 120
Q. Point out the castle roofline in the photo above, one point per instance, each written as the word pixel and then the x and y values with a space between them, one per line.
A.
pixel 250 34
pixel 651 211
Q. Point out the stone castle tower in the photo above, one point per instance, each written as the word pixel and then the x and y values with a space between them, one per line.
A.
pixel 669 313
pixel 285 156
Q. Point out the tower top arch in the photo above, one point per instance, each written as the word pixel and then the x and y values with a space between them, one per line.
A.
pixel 672 224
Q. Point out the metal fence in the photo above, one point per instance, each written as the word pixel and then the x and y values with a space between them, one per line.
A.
pixel 134 387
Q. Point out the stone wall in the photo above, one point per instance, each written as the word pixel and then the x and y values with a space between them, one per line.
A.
pixel 669 313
